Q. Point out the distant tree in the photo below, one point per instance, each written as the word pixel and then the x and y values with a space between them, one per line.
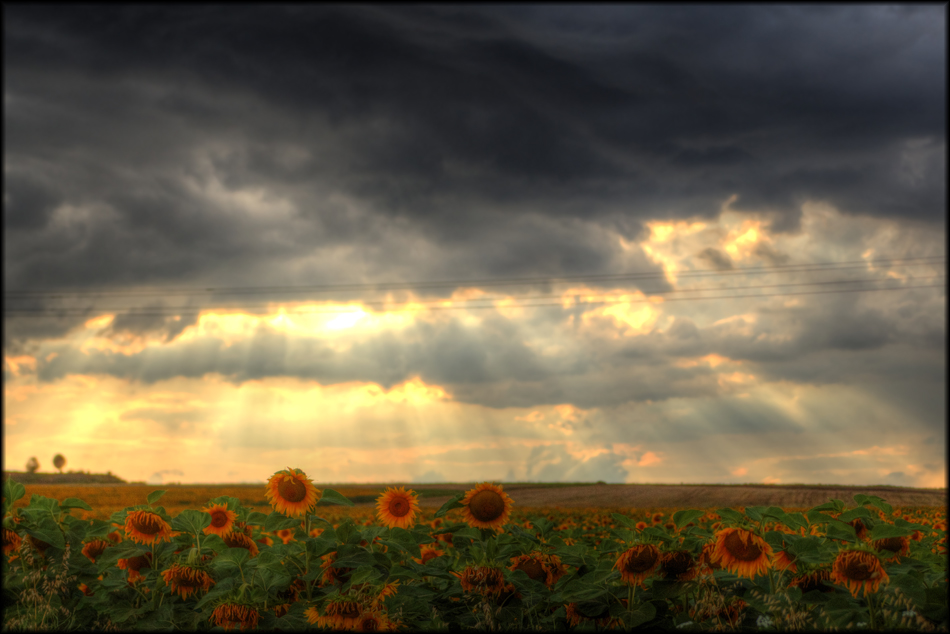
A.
pixel 32 465
pixel 59 461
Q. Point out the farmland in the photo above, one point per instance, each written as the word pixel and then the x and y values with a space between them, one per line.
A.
pixel 294 555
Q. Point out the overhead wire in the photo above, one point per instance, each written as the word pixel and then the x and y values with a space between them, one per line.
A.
pixel 469 303
pixel 488 282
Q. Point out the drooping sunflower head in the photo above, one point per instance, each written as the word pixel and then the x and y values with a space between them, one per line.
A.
pixel 230 615
pixel 742 552
pixel 637 563
pixel 892 548
pixel 11 541
pixel 678 565
pixel 484 580
pixel 291 492
pixel 134 565
pixel 427 552
pixel 397 507
pixel 95 548
pixel 146 527
pixel 486 506
pixel 222 520
pixel 186 580
pixel 236 539
pixel 858 570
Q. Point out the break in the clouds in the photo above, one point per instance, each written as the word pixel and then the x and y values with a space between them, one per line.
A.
pixel 151 149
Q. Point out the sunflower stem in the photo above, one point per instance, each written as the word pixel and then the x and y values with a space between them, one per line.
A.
pixel 871 610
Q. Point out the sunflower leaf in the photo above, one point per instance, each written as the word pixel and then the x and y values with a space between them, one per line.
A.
pixel 684 517
pixel 12 491
pixel 49 534
pixel 453 503
pixel 75 503
pixel 883 531
pixel 154 496
pixel 276 521
pixel 334 497
pixel 191 521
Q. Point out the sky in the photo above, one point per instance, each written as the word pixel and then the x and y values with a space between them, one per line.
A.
pixel 628 243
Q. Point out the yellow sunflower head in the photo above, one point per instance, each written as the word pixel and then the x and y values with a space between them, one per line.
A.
pixel 397 507
pixel 222 520
pixel 486 506
pixel 291 492
pixel 146 527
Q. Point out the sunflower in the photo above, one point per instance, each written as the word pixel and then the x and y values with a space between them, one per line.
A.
pixel 236 539
pixel 11 541
pixel 657 518
pixel 857 570
pixel 397 507
pixel 85 590
pixel 812 581
pixel 486 506
pixel 783 560
pixel 636 563
pixel 484 580
pixel 859 528
pixel 332 575
pixel 678 565
pixel 707 562
pixel 134 565
pixel 184 580
pixel 641 525
pixel 893 548
pixel 222 520
pixel 231 615
pixel 742 552
pixel 146 527
pixel 343 613
pixel 427 552
pixel 94 549
pixel 291 492
pixel 373 621
pixel 541 567
pixel 286 535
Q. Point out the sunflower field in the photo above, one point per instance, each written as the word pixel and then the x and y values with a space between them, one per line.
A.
pixel 315 561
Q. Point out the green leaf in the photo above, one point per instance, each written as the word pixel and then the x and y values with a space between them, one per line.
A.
pixel 278 521
pixel 333 497
pixel 840 530
pixel 256 518
pixel 859 512
pixel 232 556
pixel 883 531
pixel 51 535
pixel 641 614
pixel 154 496
pixel 453 503
pixel 684 517
pixel 75 503
pixel 12 491
pixel 873 500
pixel 730 515
pixel 626 521
pixel 191 521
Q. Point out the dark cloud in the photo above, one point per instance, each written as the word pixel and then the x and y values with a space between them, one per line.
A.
pixel 460 122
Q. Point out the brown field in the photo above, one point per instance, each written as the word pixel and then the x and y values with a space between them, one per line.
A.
pixel 106 499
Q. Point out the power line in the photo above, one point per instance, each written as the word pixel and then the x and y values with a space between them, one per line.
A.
pixel 418 308
pixel 780 268
pixel 461 304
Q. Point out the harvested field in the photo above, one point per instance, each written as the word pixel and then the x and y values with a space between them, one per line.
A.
pixel 702 495
pixel 108 499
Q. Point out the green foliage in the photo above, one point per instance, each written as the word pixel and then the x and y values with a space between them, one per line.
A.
pixel 356 561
